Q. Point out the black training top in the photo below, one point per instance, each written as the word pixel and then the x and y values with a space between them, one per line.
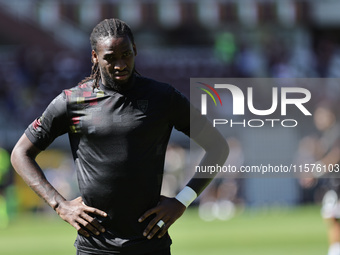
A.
pixel 118 141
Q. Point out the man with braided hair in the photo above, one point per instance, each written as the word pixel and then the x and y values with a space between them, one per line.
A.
pixel 119 124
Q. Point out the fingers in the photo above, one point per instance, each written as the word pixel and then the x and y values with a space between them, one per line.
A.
pixel 147 214
pixel 77 224
pixel 84 223
pixel 92 224
pixel 79 216
pixel 92 209
pixel 155 229
pixel 152 228
pixel 82 231
pixel 164 229
pixel 168 210
pixel 152 224
pixel 155 225
pixel 95 211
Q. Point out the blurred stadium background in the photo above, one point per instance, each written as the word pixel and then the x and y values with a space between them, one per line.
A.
pixel 44 48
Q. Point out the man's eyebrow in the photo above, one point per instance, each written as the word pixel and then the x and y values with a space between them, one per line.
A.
pixel 109 52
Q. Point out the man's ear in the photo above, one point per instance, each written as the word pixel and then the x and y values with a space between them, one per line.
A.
pixel 94 57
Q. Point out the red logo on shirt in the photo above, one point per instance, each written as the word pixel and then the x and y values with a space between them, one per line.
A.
pixel 36 123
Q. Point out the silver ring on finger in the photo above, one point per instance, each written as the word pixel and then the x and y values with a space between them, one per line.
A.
pixel 160 223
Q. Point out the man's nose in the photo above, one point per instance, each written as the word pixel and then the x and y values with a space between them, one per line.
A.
pixel 120 65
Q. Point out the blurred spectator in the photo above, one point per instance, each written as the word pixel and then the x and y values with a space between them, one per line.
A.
pixel 323 148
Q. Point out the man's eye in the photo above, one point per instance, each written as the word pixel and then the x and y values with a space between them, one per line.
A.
pixel 127 54
pixel 108 58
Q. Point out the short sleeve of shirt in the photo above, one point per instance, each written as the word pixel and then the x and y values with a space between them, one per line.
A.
pixel 180 112
pixel 52 123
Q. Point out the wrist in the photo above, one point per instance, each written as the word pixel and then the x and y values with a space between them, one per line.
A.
pixel 186 196
pixel 57 203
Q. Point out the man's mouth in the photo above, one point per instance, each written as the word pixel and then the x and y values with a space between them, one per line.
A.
pixel 121 76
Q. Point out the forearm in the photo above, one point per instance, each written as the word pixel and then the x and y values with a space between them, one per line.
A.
pixel 216 152
pixel 212 157
pixel 23 161
pixel 199 182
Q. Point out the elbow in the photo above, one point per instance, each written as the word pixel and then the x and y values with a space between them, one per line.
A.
pixel 24 150
pixel 220 150
pixel 15 156
pixel 20 153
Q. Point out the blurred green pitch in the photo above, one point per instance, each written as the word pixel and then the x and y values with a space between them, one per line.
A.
pixel 296 231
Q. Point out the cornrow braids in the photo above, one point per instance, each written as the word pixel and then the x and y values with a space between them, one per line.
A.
pixel 106 28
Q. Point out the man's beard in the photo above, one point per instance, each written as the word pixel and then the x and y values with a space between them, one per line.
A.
pixel 119 86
